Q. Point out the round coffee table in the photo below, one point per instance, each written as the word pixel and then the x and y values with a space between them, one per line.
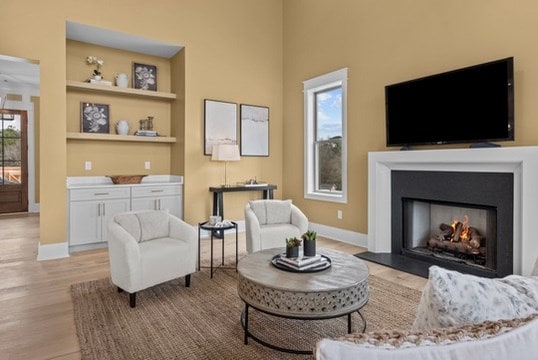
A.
pixel 337 291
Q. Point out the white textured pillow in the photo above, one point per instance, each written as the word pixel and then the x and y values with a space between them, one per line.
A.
pixel 258 207
pixel 451 299
pixel 278 211
pixel 272 211
pixel 153 224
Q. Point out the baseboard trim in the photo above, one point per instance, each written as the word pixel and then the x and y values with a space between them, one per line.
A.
pixel 346 236
pixel 52 251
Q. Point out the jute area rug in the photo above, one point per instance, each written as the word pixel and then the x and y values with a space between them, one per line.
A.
pixel 202 322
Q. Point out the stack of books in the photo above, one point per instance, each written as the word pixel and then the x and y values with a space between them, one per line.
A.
pixel 303 263
pixel 146 133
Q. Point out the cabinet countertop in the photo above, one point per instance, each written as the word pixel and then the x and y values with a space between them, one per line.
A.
pixel 86 182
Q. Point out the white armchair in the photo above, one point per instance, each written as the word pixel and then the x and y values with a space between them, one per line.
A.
pixel 147 248
pixel 269 222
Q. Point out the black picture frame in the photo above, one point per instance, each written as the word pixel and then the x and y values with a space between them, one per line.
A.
pixel 254 130
pixel 94 118
pixel 144 76
pixel 220 124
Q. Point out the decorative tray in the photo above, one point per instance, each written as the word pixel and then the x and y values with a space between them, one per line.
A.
pixel 325 264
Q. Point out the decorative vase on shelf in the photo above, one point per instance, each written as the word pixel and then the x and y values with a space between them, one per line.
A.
pixel 122 127
pixel 122 80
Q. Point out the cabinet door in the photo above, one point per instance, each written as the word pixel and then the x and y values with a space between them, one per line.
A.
pixel 111 208
pixel 172 204
pixel 145 203
pixel 84 222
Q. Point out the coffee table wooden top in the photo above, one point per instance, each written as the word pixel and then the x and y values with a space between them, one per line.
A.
pixel 340 289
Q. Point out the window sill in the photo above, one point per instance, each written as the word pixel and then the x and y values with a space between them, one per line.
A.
pixel 337 198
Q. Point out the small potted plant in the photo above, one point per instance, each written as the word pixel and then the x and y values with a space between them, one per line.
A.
pixel 292 247
pixel 309 245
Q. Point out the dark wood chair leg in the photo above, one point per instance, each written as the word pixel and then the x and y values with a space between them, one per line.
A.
pixel 132 300
pixel 187 280
pixel 120 290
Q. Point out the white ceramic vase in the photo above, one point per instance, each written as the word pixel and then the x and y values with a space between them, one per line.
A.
pixel 122 127
pixel 122 80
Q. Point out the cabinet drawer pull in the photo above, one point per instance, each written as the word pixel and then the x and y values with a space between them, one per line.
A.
pixel 156 191
pixel 103 193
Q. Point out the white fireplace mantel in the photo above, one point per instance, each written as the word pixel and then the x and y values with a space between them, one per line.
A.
pixel 520 161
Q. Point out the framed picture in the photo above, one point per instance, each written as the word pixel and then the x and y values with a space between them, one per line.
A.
pixel 220 124
pixel 94 118
pixel 144 76
pixel 254 130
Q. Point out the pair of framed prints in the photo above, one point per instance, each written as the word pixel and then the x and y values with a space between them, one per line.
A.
pixel 220 126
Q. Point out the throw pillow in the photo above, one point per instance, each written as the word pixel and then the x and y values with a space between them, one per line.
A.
pixel 153 225
pixel 451 298
pixel 278 211
pixel 258 207
pixel 129 222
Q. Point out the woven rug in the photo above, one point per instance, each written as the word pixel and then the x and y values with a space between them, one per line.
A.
pixel 202 322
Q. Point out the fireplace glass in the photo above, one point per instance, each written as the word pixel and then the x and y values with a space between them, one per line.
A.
pixel 459 233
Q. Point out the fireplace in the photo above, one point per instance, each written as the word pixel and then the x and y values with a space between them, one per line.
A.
pixel 520 164
pixel 458 220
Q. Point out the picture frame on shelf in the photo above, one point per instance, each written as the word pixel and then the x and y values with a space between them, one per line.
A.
pixel 254 130
pixel 144 76
pixel 94 118
pixel 220 124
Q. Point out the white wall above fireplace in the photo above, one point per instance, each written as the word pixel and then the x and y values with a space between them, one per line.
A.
pixel 520 161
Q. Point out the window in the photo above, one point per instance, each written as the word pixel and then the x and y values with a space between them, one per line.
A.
pixel 325 137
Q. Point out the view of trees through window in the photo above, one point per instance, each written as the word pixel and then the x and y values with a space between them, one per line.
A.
pixel 10 150
pixel 329 139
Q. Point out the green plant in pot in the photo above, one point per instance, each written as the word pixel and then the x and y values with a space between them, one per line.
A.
pixel 292 247
pixel 309 243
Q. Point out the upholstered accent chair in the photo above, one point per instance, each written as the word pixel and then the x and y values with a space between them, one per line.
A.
pixel 147 248
pixel 269 222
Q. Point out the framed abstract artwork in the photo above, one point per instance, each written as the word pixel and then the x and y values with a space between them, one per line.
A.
pixel 94 118
pixel 220 124
pixel 254 130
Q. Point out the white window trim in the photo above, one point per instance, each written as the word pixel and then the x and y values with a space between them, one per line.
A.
pixel 310 87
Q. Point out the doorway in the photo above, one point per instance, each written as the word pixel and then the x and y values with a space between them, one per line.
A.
pixel 13 161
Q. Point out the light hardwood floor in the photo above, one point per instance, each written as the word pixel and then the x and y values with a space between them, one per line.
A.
pixel 36 312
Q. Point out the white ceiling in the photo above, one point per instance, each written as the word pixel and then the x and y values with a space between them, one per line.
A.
pixel 113 39
pixel 18 73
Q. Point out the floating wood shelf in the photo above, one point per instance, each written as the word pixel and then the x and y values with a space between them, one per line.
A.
pixel 83 86
pixel 112 137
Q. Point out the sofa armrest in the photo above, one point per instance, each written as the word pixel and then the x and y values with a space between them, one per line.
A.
pixel 179 229
pixel 124 257
pixel 252 231
pixel 299 219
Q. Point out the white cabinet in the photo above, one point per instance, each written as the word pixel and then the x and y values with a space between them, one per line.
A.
pixel 91 206
pixel 90 210
pixel 158 197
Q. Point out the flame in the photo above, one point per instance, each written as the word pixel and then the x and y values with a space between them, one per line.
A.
pixel 465 233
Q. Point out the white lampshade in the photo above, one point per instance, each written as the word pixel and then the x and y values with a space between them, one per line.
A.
pixel 225 152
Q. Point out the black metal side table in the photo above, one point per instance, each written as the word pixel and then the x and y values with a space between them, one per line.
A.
pixel 212 230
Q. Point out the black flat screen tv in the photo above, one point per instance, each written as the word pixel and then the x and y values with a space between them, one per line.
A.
pixel 469 105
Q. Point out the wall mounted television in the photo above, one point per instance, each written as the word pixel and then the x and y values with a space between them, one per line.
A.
pixel 469 105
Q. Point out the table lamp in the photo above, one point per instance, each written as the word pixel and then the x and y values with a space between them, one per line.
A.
pixel 225 152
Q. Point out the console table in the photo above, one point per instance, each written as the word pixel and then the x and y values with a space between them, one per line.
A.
pixel 218 194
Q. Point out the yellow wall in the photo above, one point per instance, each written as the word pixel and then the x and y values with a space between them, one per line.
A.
pixel 388 41
pixel 233 52
pixel 259 52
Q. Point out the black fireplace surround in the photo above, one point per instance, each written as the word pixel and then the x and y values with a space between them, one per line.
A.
pixel 486 190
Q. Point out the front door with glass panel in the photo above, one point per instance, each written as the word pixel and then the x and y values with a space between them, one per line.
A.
pixel 13 161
